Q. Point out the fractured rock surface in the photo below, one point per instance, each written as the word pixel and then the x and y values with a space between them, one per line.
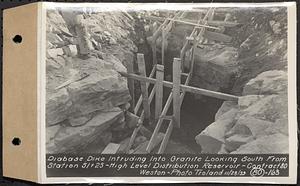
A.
pixel 70 139
pixel 260 124
pixel 85 53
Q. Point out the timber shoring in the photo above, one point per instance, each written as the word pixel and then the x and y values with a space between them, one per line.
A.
pixel 195 90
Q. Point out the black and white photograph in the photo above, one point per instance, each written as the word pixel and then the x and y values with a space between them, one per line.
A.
pixel 167 80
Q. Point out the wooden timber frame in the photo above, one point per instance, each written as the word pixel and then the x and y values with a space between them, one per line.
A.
pixel 178 91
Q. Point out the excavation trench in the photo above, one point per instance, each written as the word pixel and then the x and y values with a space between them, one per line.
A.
pixel 87 99
pixel 197 112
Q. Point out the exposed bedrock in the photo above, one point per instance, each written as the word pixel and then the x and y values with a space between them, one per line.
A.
pixel 215 67
pixel 260 124
pixel 69 139
pixel 85 92
pixel 89 90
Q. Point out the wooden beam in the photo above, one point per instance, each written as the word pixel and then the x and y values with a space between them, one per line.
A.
pixel 159 90
pixel 144 88
pixel 131 85
pixel 211 23
pixel 194 24
pixel 186 88
pixel 214 36
pixel 163 36
pixel 184 49
pixel 154 57
pixel 176 90
pixel 139 102
pixel 166 138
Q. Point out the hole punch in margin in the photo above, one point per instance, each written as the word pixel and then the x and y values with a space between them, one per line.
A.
pixel 17 39
pixel 16 141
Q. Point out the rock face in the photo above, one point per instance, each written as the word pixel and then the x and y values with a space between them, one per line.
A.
pixel 215 67
pixel 258 74
pixel 212 138
pixel 85 53
pixel 269 82
pixel 75 139
pixel 260 122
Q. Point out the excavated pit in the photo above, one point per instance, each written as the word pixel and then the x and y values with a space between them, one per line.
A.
pixel 76 115
pixel 222 67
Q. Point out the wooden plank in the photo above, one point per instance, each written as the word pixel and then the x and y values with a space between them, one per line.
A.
pixel 168 27
pixel 166 138
pixel 211 23
pixel 192 61
pixel 176 90
pixel 154 57
pixel 184 74
pixel 111 148
pixel 144 90
pixel 194 24
pixel 139 102
pixel 131 85
pixel 186 88
pixel 159 90
pixel 163 33
pixel 211 15
pixel 217 36
pixel 183 50
pixel 167 117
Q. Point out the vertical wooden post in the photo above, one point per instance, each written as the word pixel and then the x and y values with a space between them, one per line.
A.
pixel 176 90
pixel 163 46
pixel 139 102
pixel 144 90
pixel 211 15
pixel 159 90
pixel 192 61
pixel 131 85
pixel 154 58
